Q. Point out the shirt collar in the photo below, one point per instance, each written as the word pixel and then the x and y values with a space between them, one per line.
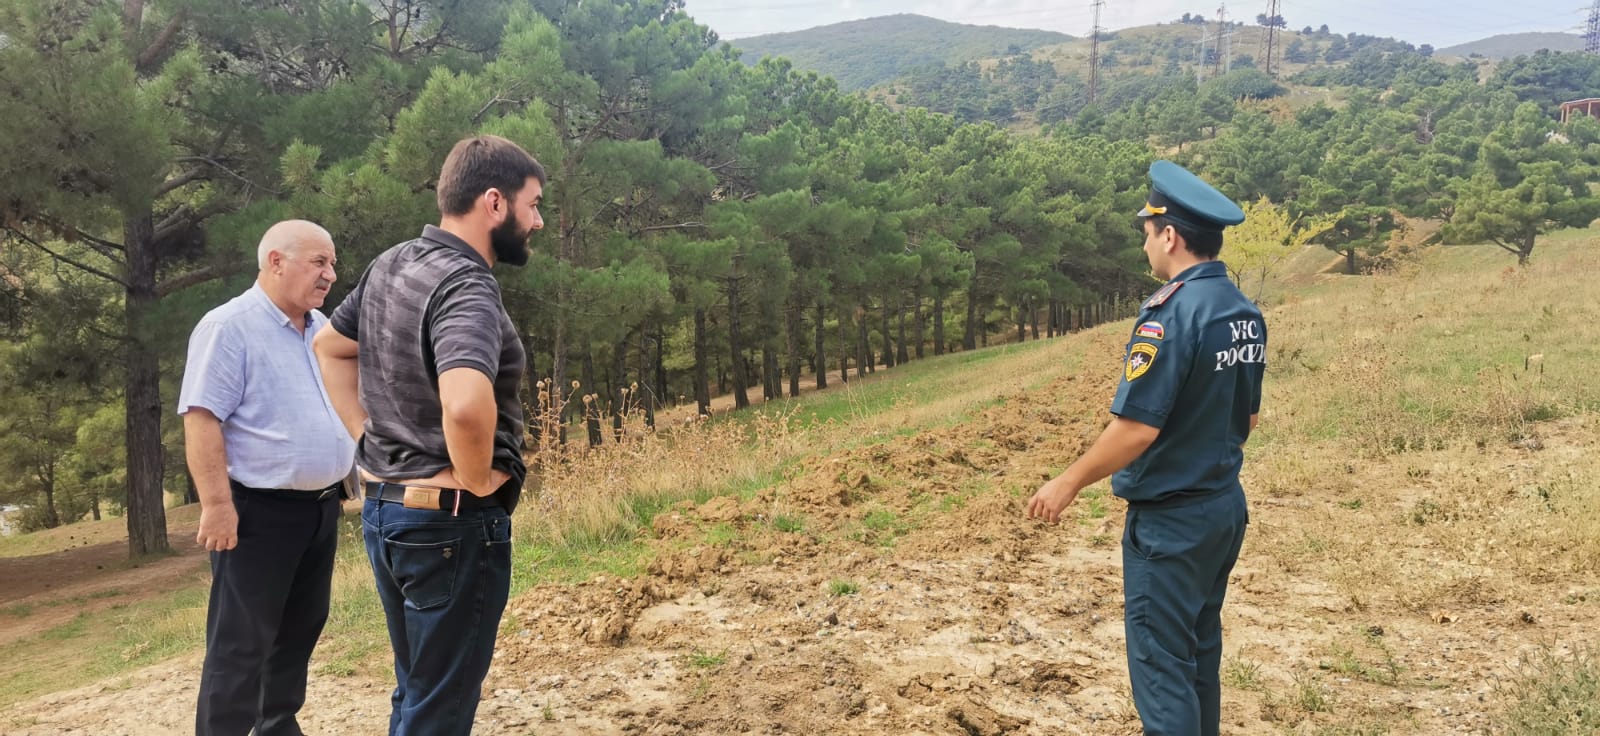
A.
pixel 1202 270
pixel 272 308
pixel 445 237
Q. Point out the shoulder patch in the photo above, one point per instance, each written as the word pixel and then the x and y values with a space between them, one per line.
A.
pixel 1159 298
pixel 1151 330
pixel 1140 356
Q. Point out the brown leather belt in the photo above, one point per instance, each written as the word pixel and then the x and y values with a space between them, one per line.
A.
pixel 428 497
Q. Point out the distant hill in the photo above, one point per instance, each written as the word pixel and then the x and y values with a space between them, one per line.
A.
pixel 1516 44
pixel 862 53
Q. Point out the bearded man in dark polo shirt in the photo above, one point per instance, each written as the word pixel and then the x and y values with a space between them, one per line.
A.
pixel 423 365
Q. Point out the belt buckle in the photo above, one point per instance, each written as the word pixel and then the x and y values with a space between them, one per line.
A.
pixel 418 497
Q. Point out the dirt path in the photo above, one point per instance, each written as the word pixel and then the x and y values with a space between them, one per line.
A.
pixel 92 576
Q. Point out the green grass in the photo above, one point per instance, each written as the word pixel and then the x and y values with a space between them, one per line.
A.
pixel 1309 694
pixel 156 630
pixel 576 560
pixel 94 645
pixel 722 534
pixel 1095 504
pixel 880 527
pixel 71 630
pixel 1345 661
pixel 1242 674
pixel 1555 693
pixel 917 382
pixel 702 660
pixel 838 588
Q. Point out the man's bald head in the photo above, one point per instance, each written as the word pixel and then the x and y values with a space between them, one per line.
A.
pixel 297 260
pixel 287 236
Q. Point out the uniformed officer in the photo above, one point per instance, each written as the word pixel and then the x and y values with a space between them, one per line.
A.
pixel 1188 399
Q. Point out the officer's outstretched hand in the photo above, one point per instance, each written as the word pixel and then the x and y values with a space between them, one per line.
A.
pixel 219 528
pixel 1051 498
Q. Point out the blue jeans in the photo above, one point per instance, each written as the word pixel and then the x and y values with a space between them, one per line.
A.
pixel 1175 565
pixel 443 581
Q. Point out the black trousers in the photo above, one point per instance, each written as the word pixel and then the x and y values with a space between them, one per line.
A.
pixel 269 601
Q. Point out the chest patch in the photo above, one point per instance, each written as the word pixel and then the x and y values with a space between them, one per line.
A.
pixel 1152 330
pixel 1140 358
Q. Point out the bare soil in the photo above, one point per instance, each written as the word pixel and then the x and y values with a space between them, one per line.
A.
pixel 914 599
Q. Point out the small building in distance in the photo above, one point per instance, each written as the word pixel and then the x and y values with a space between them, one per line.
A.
pixel 1589 106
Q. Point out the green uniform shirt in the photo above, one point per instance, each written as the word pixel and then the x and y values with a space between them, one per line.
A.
pixel 1193 369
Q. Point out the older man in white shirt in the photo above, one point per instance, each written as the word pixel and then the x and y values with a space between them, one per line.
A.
pixel 268 455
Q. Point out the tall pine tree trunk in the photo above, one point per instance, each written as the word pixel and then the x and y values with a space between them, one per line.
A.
pixel 619 389
pixel 820 359
pixel 844 346
pixel 52 517
pixel 969 341
pixel 864 360
pixel 560 392
pixel 649 378
pixel 792 337
pixel 537 401
pixel 888 345
pixel 702 385
pixel 741 380
pixel 918 325
pixel 771 376
pixel 938 322
pixel 661 395
pixel 1033 317
pixel 901 356
pixel 147 513
pixel 591 406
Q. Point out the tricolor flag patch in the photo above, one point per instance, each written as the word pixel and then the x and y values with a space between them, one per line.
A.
pixel 1152 330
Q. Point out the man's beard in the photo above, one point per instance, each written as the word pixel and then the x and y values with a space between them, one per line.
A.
pixel 508 244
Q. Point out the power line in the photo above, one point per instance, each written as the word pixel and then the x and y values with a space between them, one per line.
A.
pixel 1224 62
pixel 1273 19
pixel 1094 51
pixel 1591 37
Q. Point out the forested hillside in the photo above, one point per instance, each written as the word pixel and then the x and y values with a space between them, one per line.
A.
pixel 1051 83
pixel 1511 45
pixel 862 53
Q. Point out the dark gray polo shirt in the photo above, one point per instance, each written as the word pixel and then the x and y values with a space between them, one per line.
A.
pixel 422 308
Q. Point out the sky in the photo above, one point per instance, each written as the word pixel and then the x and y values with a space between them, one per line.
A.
pixel 1438 22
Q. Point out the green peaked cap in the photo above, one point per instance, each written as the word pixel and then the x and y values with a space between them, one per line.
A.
pixel 1184 198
